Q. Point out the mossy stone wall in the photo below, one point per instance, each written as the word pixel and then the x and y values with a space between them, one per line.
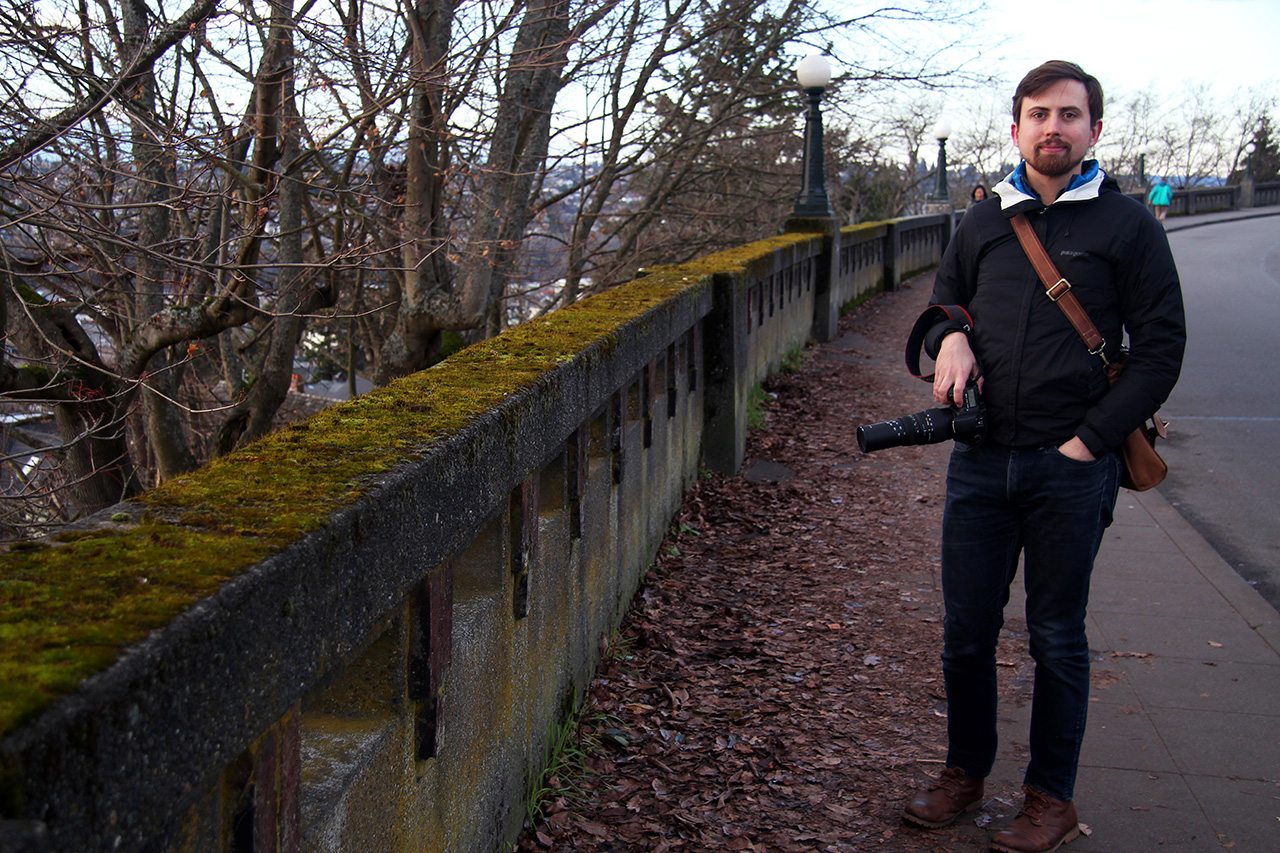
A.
pixel 356 633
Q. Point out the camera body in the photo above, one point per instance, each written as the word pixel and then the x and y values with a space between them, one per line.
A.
pixel 966 422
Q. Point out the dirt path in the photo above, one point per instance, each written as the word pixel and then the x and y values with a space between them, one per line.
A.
pixel 776 686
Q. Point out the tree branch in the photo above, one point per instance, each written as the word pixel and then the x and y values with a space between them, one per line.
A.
pixel 101 93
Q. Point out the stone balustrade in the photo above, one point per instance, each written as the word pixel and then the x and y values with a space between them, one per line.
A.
pixel 361 632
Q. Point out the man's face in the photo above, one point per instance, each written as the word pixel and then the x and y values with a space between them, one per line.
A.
pixel 1054 132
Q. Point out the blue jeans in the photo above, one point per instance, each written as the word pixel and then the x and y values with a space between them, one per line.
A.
pixel 1002 502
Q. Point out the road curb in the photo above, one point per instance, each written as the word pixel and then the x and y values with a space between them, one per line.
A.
pixel 1243 598
pixel 1175 225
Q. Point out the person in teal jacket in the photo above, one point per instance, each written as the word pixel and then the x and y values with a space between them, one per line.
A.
pixel 1160 197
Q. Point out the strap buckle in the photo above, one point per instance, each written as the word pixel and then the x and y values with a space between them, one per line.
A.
pixel 1054 293
pixel 1099 352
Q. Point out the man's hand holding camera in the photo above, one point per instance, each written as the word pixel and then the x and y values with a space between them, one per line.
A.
pixel 964 420
pixel 955 366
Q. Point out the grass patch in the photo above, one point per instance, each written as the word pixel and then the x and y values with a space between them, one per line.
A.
pixel 758 408
pixel 794 359
pixel 569 743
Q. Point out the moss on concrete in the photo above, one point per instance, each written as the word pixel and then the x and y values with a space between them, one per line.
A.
pixel 71 605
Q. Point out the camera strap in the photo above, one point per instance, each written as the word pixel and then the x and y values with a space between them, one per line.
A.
pixel 933 315
pixel 1058 288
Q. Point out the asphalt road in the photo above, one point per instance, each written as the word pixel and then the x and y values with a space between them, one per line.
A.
pixel 1224 447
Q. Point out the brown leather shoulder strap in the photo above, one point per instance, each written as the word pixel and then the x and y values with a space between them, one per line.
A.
pixel 1057 288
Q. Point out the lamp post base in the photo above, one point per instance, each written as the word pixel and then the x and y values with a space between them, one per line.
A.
pixel 798 223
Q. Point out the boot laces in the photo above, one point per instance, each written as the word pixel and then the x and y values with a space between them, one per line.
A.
pixel 1035 805
pixel 950 780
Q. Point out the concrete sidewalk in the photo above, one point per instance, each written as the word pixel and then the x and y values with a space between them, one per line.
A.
pixel 1183 746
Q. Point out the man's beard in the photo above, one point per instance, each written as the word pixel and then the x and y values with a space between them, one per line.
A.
pixel 1055 165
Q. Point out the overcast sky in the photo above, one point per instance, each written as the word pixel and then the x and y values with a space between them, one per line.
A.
pixel 1130 44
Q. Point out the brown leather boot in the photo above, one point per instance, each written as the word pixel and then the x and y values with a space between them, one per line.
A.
pixel 944 800
pixel 1044 824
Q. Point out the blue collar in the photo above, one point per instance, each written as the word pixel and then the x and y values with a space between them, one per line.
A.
pixel 1089 170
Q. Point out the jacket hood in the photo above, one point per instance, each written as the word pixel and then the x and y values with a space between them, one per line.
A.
pixel 1016 194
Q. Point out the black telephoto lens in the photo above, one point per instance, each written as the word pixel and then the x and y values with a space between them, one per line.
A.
pixel 928 427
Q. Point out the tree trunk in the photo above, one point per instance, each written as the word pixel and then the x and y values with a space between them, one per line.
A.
pixel 165 431
pixel 152 275
pixel 252 418
pixel 89 410
pixel 100 471
pixel 517 154
pixel 415 338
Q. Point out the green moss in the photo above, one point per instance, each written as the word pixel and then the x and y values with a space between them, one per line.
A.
pixel 38 372
pixel 71 605
pixel 859 299
pixel 741 257
pixel 27 293
pixel 69 609
pixel 757 408
pixel 450 342
pixel 863 231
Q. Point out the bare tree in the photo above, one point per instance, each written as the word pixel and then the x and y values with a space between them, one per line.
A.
pixel 434 296
pixel 697 149
pixel 983 141
pixel 1194 138
pixel 122 235
pixel 1249 120
pixel 191 201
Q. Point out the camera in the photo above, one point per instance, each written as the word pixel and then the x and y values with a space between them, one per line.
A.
pixel 967 423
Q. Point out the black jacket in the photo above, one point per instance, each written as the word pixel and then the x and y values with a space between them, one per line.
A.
pixel 1041 385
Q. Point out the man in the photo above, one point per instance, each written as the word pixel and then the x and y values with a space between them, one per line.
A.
pixel 1043 483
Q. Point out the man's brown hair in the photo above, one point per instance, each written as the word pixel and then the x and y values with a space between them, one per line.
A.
pixel 1041 78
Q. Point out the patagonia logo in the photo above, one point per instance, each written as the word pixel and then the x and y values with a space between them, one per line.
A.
pixel 1072 253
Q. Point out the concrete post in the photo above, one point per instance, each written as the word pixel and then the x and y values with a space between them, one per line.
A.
pixel 724 353
pixel 826 296
pixel 1246 193
pixel 892 256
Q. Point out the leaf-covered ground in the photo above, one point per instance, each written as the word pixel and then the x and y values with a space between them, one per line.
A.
pixel 776 685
